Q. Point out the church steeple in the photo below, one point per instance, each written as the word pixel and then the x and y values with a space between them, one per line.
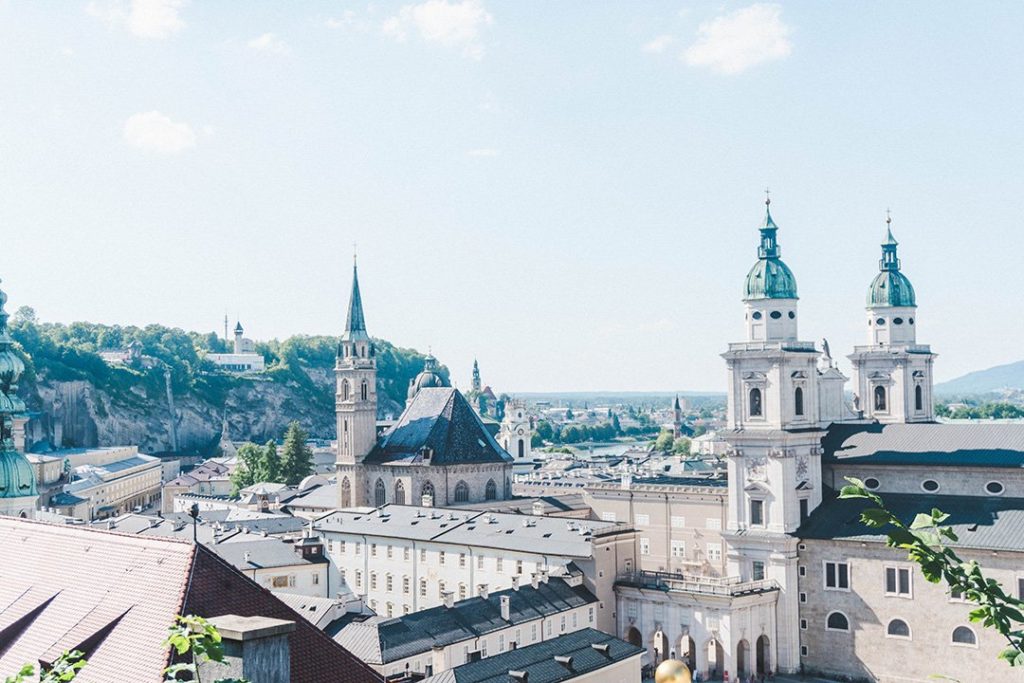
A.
pixel 355 322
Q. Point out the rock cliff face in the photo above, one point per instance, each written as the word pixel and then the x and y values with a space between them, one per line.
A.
pixel 80 414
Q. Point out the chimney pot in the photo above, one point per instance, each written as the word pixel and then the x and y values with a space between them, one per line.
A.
pixel 449 599
pixel 506 608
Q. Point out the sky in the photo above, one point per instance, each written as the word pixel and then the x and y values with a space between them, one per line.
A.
pixel 568 192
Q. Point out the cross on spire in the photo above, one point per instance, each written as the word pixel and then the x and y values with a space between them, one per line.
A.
pixel 767 197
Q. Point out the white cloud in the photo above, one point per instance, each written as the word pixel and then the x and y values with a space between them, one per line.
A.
pixel 658 44
pixel 452 24
pixel 734 42
pixel 270 44
pixel 347 18
pixel 155 19
pixel 154 132
pixel 483 152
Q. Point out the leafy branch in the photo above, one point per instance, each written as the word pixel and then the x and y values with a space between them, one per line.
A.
pixel 64 669
pixel 925 540
pixel 196 641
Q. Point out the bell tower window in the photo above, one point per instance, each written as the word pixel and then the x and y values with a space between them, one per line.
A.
pixel 880 399
pixel 918 398
pixel 756 409
pixel 344 390
pixel 798 401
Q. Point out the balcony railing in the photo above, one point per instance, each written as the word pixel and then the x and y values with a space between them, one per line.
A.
pixel 729 586
pixel 801 346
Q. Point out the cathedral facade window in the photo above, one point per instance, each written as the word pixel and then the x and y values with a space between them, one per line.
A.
pixel 427 490
pixel 462 492
pixel 881 402
pixel 918 398
pixel 491 492
pixel 756 407
pixel 380 493
pixel 346 493
pixel 798 401
pixel 399 493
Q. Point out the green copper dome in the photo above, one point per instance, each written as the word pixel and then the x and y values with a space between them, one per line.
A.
pixel 16 476
pixel 770 278
pixel 890 287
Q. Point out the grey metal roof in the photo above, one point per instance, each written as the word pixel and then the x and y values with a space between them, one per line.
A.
pixel 960 445
pixel 538 660
pixel 382 641
pixel 324 497
pixel 264 553
pixel 438 427
pixel 981 522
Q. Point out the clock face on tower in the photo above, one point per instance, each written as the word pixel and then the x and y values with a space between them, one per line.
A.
pixel 520 431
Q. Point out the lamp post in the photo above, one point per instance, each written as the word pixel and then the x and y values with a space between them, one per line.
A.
pixel 193 512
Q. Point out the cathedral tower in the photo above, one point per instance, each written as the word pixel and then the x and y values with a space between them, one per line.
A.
pixel 775 432
pixel 893 372
pixel 355 400
pixel 18 494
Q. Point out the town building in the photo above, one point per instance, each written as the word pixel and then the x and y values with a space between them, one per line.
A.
pixel 403 559
pixel 243 359
pixel 585 656
pixel 454 633
pixel 110 481
pixel 438 452
pixel 113 596
pixel 517 431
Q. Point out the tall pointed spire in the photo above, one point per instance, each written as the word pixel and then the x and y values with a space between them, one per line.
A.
pixel 355 323
pixel 769 247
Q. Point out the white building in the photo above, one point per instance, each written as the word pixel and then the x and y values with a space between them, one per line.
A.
pixel 516 433
pixel 113 480
pixel 405 558
pixel 244 358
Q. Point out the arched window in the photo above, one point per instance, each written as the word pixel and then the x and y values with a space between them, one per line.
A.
pixel 363 390
pixel 880 401
pixel 898 628
pixel 423 588
pixel 346 493
pixel 399 493
pixel 344 390
pixel 462 492
pixel 427 490
pixel 837 621
pixel 962 635
pixel 798 401
pixel 491 492
pixel 918 398
pixel 380 493
pixel 462 591
pixel 522 448
pixel 755 402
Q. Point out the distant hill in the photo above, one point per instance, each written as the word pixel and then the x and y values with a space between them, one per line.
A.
pixel 996 379
pixel 655 398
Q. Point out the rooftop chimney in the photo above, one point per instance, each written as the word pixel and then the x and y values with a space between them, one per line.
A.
pixel 538 507
pixel 255 648
pixel 565 661
pixel 535 580
pixel 515 582
pixel 449 599
pixel 518 676
pixel 506 607
pixel 439 656
pixel 428 500
pixel 483 591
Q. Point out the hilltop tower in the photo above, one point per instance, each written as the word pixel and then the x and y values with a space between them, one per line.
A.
pixel 239 338
pixel 355 400
pixel 893 372
pixel 477 384
pixel 774 455
pixel 18 494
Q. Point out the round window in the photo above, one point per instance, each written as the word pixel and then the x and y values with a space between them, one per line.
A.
pixel 756 315
pixel 897 321
pixel 776 315
pixel 911 321
pixel 792 315
pixel 930 485
pixel 880 321
pixel 994 488
pixel 871 483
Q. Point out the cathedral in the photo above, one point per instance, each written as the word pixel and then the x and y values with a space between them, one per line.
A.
pixel 805 586
pixel 18 494
pixel 438 452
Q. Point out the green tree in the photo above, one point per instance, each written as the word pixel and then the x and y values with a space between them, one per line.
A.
pixel 249 457
pixel 664 441
pixel 64 669
pixel 545 430
pixel 271 465
pixel 681 446
pixel 297 460
pixel 926 540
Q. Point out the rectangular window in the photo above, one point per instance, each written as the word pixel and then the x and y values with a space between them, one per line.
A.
pixel 316 579
pixel 575 620
pixel 804 510
pixel 519 566
pixel 757 570
pixel 359 548
pixel 678 549
pixel 499 565
pixel 462 559
pixel 423 555
pixel 1020 589
pixel 341 546
pixel 440 557
pixel 803 570
pixel 713 523
pixel 608 516
pixel 373 550
pixel 390 552
pixel 501 642
pixel 279 582
pixel 803 624
pixel 803 650
pixel 897 581
pixel 837 576
pixel 642 520
pixel 479 561
pixel 714 552
pixel 405 554
pixel 678 522
pixel 757 512
pixel 590 615
pixel 645 546
pixel 533 633
pixel 803 597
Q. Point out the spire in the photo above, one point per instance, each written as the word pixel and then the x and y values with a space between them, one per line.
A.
pixel 355 323
pixel 889 259
pixel 769 247
pixel 677 406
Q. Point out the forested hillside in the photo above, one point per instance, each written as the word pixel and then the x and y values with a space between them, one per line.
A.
pixel 79 400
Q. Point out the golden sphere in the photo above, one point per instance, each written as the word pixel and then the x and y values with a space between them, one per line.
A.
pixel 672 671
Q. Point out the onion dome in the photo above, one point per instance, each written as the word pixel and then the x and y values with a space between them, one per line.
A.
pixel 890 287
pixel 770 278
pixel 429 377
pixel 16 476
pixel 11 366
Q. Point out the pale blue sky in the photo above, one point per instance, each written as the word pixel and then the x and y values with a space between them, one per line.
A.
pixel 568 191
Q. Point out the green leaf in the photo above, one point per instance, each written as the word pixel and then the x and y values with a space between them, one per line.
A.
pixel 875 517
pixel 922 521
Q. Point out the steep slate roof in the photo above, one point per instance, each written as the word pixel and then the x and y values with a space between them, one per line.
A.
pixel 380 641
pixel 538 660
pixel 355 321
pixel 930 444
pixel 72 583
pixel 439 419
pixel 981 522
pixel 264 553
